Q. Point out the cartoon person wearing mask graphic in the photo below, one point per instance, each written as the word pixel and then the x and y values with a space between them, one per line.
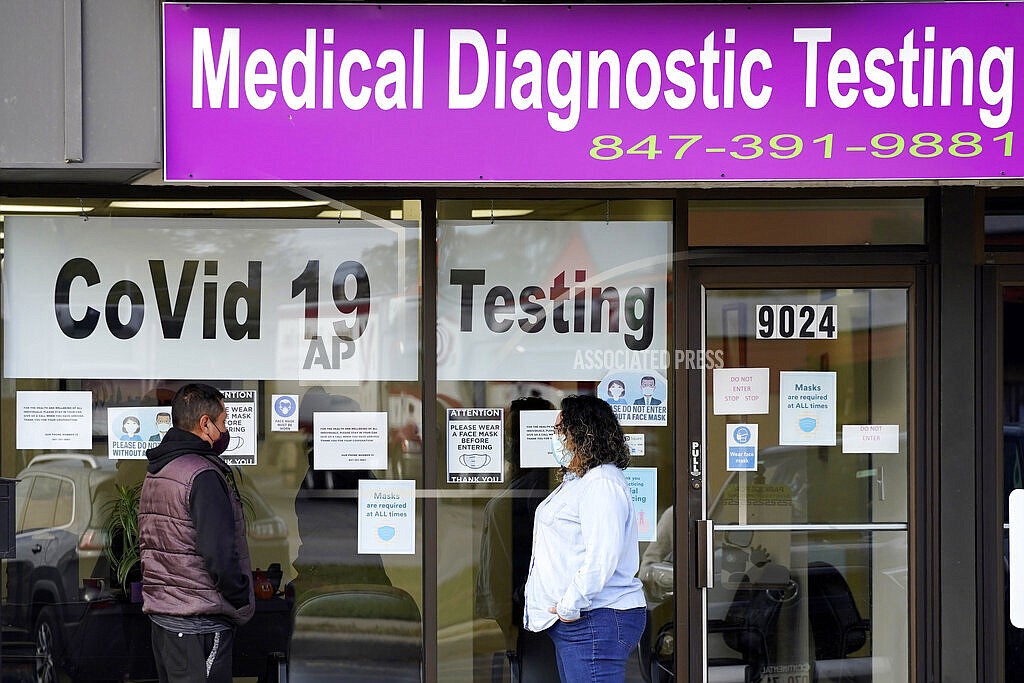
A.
pixel 616 392
pixel 130 427
pixel 163 423
pixel 647 385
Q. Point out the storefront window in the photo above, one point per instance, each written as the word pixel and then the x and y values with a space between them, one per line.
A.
pixel 306 314
pixel 536 301
pixel 1004 225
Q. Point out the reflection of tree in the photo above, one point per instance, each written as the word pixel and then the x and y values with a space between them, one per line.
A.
pixel 629 253
pixel 291 248
pixel 379 262
pixel 499 250
pixel 497 246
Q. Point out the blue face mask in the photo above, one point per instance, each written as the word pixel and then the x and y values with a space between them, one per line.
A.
pixel 563 456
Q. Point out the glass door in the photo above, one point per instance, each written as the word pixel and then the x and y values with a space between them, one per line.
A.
pixel 803 448
pixel 1007 420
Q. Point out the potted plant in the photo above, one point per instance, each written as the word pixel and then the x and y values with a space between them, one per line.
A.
pixel 123 549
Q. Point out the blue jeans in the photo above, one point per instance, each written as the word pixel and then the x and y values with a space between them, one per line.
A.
pixel 596 646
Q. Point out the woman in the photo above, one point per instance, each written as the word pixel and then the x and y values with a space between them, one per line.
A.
pixel 616 392
pixel 582 587
pixel 130 427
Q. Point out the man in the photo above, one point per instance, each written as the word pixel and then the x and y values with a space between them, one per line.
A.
pixel 647 385
pixel 195 561
pixel 163 424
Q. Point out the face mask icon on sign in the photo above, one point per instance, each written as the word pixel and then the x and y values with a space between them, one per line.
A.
pixel 475 461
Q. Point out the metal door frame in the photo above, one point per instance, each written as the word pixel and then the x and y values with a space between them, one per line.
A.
pixel 690 472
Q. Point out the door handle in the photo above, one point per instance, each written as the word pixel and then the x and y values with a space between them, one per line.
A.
pixel 705 553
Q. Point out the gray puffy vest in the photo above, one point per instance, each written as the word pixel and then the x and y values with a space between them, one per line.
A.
pixel 174 577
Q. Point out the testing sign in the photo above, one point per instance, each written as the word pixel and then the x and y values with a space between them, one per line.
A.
pixel 538 93
pixel 553 300
pixel 209 299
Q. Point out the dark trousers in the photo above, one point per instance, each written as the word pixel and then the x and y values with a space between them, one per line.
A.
pixel 192 658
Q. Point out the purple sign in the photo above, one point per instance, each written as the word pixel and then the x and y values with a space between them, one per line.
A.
pixel 591 93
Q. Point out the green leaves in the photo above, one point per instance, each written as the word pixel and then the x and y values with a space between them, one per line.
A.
pixel 122 527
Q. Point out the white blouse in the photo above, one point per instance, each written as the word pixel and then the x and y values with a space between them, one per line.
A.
pixel 585 550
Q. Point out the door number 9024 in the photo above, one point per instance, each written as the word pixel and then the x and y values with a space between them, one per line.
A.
pixel 796 321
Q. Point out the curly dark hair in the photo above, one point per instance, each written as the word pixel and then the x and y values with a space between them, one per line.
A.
pixel 596 436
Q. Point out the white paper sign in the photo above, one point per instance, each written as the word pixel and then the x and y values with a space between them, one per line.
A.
pixel 240 421
pixel 807 408
pixel 54 419
pixel 535 430
pixel 387 517
pixel 551 301
pixel 475 445
pixel 635 443
pixel 284 415
pixel 132 430
pixel 643 488
pixel 210 299
pixel 740 391
pixel 871 438
pixel 1016 517
pixel 350 441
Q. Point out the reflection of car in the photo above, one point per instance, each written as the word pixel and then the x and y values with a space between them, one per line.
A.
pixel 356 632
pixel 771 584
pixel 754 608
pixel 58 586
